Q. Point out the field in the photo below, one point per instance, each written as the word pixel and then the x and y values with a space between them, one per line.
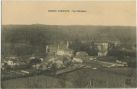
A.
pixel 84 78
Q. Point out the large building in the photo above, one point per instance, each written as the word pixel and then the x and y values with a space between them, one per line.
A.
pixel 102 49
pixel 61 49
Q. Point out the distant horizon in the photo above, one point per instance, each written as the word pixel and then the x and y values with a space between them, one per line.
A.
pixel 71 25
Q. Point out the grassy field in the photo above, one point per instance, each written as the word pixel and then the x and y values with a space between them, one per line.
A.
pixel 84 78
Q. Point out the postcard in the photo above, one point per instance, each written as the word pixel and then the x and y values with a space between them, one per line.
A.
pixel 68 44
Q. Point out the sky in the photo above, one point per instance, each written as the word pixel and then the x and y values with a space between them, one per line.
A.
pixel 120 13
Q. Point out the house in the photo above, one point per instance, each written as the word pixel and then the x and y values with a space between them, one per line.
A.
pixel 92 58
pixel 55 63
pixel 2 66
pixel 59 64
pixel 102 49
pixel 65 52
pixel 10 64
pixel 77 60
pixel 51 49
pixel 81 54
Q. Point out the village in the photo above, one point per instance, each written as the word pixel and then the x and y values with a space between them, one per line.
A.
pixel 60 59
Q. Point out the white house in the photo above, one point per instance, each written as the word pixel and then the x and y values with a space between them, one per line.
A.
pixel 11 63
pixel 102 49
pixel 67 52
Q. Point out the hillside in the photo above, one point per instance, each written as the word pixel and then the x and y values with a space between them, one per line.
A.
pixel 35 37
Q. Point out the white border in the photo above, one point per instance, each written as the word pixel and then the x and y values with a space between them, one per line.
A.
pixel 0 37
pixel 60 0
pixel 70 0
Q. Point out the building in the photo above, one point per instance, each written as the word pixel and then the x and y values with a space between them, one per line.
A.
pixel 65 52
pixel 102 49
pixel 61 48
pixel 51 49
pixel 55 63
pixel 81 54
pixel 77 60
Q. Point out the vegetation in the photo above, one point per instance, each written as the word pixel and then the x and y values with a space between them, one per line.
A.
pixel 22 40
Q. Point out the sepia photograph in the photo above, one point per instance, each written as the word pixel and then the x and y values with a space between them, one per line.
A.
pixel 68 44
